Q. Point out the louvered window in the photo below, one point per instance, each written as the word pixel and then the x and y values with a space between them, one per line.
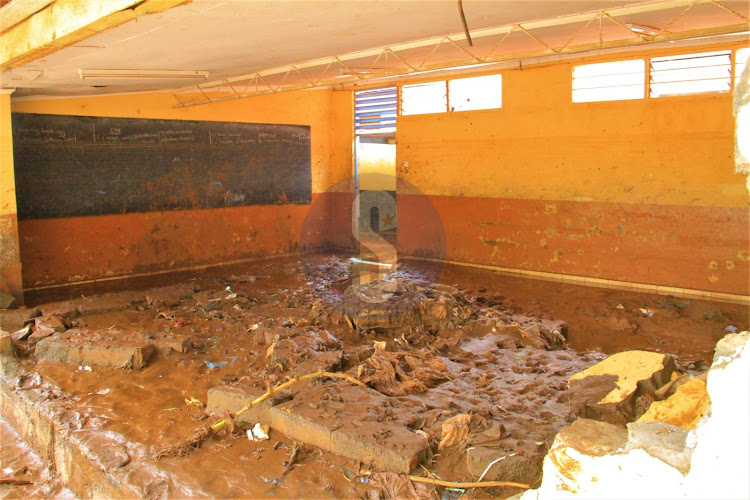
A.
pixel 691 73
pixel 612 81
pixel 375 110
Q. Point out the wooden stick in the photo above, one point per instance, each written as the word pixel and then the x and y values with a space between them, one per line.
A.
pixel 270 392
pixel 450 484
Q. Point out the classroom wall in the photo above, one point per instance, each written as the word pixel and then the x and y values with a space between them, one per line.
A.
pixel 84 248
pixel 10 262
pixel 642 191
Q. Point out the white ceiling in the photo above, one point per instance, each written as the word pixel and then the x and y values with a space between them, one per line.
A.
pixel 236 37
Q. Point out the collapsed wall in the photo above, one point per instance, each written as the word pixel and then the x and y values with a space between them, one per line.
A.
pixel 651 458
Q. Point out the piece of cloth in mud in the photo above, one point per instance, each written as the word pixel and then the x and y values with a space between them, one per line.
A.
pixel 392 485
pixel 472 430
pixel 401 373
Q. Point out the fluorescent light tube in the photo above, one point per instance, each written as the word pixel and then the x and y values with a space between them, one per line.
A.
pixel 135 74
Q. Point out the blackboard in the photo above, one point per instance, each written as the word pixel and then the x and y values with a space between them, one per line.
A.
pixel 82 165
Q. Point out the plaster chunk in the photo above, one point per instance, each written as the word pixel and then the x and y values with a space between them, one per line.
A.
pixel 684 409
pixel 630 368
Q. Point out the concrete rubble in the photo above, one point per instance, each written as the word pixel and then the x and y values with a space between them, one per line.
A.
pixel 652 458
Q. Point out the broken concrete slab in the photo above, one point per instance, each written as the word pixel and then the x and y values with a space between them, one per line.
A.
pixel 172 342
pixel 231 399
pixel 721 458
pixel 610 390
pixel 52 322
pixel 86 306
pixel 13 319
pixel 6 344
pixel 40 333
pixel 663 441
pixel 684 409
pixel 76 351
pixel 588 459
pixel 7 301
pixel 656 456
pixel 21 334
pixel 331 419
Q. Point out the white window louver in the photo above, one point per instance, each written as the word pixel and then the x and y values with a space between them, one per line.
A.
pixel 612 81
pixel 691 73
pixel 375 110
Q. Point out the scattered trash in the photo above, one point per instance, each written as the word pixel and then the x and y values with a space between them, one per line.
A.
pixel 254 327
pixel 731 329
pixel 194 402
pixel 619 306
pixel 219 364
pixel 647 312
pixel 260 432
pixel 452 493
pixel 102 392
pixel 228 289
pixel 84 368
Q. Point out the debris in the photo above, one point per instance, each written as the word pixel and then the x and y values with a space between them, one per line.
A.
pixel 452 484
pixel 7 301
pixel 491 464
pixel 401 373
pixel 455 431
pixel 242 278
pixel 102 392
pixel 194 402
pixel 646 312
pixel 260 432
pixel 619 306
pixel 41 332
pixel 84 368
pixel 194 442
pixel 292 458
pixel 180 322
pixel 22 333
pixel 379 345
pixel 731 329
pixel 219 364
pixel 252 328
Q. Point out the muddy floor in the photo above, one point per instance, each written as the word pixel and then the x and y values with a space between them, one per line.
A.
pixel 496 349
pixel 22 473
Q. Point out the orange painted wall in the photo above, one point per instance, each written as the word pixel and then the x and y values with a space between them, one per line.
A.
pixel 83 248
pixel 641 191
pixel 10 263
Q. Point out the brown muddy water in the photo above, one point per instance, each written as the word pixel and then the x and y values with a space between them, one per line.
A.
pixel 480 344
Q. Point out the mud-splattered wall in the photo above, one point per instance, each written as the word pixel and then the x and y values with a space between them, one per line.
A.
pixel 10 263
pixel 84 248
pixel 642 191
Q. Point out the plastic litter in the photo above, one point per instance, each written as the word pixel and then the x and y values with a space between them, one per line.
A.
pixel 260 432
pixel 731 329
pixel 103 391
pixel 647 312
pixel 84 368
pixel 219 364
pixel 619 306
